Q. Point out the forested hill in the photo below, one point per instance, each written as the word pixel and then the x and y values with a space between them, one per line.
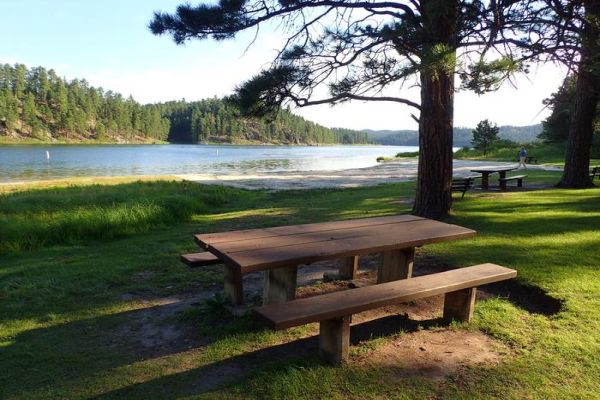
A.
pixel 462 136
pixel 37 103
pixel 215 120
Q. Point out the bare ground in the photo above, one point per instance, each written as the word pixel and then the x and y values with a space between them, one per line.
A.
pixel 417 342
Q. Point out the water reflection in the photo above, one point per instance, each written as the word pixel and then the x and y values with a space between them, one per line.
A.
pixel 30 163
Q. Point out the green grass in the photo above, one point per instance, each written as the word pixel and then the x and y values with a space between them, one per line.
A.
pixel 548 154
pixel 410 154
pixel 67 215
pixel 63 302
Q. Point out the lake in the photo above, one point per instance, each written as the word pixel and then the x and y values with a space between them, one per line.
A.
pixel 27 163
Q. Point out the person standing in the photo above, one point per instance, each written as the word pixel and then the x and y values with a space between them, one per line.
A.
pixel 522 157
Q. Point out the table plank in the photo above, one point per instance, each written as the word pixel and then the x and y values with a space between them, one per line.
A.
pixel 310 237
pixel 412 234
pixel 205 240
pixel 493 170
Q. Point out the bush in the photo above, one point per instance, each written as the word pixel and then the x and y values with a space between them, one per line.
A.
pixel 408 154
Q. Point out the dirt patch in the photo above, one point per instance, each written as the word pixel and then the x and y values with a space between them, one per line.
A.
pixel 153 329
pixel 435 354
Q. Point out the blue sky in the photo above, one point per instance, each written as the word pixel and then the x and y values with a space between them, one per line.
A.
pixel 108 43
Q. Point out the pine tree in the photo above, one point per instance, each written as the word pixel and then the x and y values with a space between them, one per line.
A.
pixel 484 135
pixel 28 115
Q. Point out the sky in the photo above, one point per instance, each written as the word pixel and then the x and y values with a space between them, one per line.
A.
pixel 107 42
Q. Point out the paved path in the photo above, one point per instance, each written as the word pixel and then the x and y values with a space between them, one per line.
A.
pixel 388 172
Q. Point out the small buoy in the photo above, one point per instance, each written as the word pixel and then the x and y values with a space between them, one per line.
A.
pixel 47 155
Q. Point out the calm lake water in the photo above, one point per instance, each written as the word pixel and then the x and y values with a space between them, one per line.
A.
pixel 22 163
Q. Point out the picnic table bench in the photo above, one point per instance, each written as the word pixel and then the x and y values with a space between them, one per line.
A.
pixel 279 251
pixel 333 311
pixel 462 185
pixel 518 178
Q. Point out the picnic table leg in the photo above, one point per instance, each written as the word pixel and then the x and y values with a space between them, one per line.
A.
pixel 502 183
pixel 334 339
pixel 280 285
pixel 459 305
pixel 484 180
pixel 234 290
pixel 396 265
pixel 348 267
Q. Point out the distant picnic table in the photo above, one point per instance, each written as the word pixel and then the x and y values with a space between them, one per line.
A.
pixel 278 251
pixel 486 172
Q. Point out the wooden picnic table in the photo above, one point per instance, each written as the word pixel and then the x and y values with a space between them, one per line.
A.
pixel 279 250
pixel 486 172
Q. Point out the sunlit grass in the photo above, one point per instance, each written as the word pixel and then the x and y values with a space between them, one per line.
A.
pixel 62 300
pixel 66 215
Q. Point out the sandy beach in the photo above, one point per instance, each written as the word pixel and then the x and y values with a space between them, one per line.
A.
pixel 392 171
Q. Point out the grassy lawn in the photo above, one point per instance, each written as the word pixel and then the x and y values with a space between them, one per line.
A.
pixel 79 263
pixel 547 154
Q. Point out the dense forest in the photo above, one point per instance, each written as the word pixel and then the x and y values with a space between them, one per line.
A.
pixel 36 103
pixel 462 136
pixel 215 120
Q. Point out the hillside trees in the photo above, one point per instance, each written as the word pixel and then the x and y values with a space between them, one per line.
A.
pixel 37 102
pixel 368 51
pixel 217 120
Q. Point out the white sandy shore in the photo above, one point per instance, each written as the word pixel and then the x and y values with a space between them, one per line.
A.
pixel 388 172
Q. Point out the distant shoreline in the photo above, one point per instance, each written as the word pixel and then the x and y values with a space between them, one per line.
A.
pixel 241 143
pixel 390 172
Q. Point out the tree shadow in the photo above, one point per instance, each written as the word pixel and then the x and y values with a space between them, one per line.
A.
pixel 530 298
pixel 225 372
pixel 82 348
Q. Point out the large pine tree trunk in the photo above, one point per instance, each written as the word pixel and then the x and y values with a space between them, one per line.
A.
pixel 434 197
pixel 581 130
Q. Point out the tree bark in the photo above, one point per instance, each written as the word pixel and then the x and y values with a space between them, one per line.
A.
pixel 581 129
pixel 434 196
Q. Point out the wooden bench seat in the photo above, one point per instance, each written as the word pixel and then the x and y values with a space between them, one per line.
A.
pixel 334 310
pixel 195 260
pixel 518 178
pixel 462 185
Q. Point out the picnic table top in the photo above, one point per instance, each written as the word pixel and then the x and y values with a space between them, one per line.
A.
pixel 259 249
pixel 489 170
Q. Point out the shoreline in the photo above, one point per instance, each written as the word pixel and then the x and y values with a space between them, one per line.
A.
pixel 404 170
pixel 90 143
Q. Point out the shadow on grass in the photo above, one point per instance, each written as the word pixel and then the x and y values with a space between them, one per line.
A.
pixel 213 376
pixel 80 349
pixel 532 299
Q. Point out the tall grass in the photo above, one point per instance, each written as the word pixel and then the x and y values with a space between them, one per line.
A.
pixel 38 218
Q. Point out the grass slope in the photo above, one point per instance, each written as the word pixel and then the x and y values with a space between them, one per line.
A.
pixel 66 292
